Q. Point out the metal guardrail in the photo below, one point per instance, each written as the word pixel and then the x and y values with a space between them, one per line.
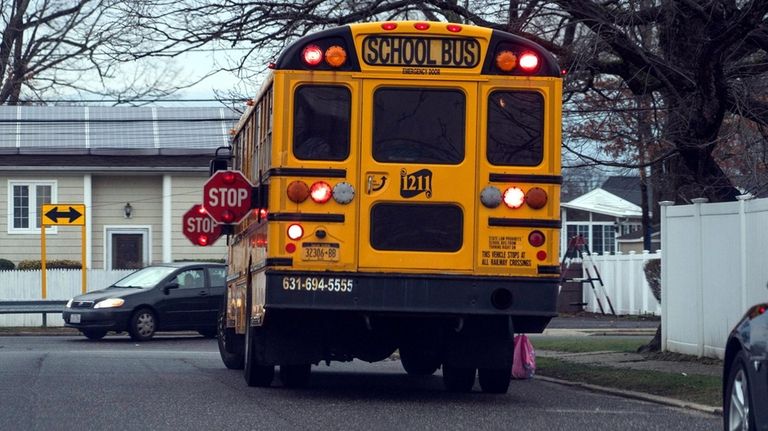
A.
pixel 32 307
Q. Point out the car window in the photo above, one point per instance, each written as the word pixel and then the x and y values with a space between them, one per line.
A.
pixel 191 279
pixel 218 276
pixel 145 278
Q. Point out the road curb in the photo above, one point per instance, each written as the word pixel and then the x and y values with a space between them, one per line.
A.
pixel 637 395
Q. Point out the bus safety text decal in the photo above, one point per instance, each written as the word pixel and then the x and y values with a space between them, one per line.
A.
pixel 421 52
pixel 502 252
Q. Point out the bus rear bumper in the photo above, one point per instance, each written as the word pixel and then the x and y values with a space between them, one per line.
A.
pixel 529 302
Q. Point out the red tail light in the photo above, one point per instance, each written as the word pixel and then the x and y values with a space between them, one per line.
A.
pixel 536 238
pixel 312 55
pixel 320 192
pixel 529 62
pixel 536 198
pixel 541 255
pixel 514 197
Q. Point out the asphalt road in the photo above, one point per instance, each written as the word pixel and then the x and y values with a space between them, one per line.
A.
pixel 179 383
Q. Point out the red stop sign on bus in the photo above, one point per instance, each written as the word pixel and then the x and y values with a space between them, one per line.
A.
pixel 199 227
pixel 227 196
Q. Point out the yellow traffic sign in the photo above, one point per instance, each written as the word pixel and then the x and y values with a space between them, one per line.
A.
pixel 64 214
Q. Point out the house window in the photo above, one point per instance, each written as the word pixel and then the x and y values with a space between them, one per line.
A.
pixel 27 199
pixel 602 240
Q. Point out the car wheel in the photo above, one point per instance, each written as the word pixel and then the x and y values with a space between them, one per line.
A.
pixel 295 376
pixel 737 406
pixel 143 324
pixel 494 380
pixel 230 350
pixel 458 379
pixel 93 334
pixel 418 362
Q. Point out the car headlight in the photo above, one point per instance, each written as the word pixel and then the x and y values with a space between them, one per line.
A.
pixel 69 303
pixel 110 303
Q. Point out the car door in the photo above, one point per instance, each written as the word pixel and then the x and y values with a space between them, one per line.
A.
pixel 217 288
pixel 183 306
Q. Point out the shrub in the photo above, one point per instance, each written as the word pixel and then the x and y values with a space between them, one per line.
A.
pixel 29 265
pixel 6 265
pixel 652 271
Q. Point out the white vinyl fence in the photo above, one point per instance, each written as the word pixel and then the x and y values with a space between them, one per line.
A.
pixel 61 284
pixel 624 283
pixel 713 268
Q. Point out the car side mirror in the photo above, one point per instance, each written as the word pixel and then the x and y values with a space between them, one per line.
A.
pixel 169 286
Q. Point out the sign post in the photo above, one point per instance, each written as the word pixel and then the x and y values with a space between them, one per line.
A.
pixel 62 215
pixel 227 196
pixel 199 227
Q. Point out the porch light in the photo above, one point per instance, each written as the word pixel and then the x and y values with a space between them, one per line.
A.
pixel 128 210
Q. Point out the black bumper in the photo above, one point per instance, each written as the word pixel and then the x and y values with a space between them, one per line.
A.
pixel 107 319
pixel 531 302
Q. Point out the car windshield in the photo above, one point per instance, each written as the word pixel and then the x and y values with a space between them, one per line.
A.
pixel 146 277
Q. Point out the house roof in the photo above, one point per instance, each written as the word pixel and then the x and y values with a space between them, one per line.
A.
pixel 603 202
pixel 627 188
pixel 113 130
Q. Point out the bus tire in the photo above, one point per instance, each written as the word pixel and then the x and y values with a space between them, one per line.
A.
pixel 494 380
pixel 458 379
pixel 230 344
pixel 295 375
pixel 255 374
pixel 418 362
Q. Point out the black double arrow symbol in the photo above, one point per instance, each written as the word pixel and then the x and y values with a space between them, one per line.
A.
pixel 54 214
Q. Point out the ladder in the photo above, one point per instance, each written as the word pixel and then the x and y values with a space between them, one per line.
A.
pixel 578 248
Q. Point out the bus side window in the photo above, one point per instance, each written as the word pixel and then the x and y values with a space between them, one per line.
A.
pixel 321 123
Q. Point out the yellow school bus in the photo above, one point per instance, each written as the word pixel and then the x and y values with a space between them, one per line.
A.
pixel 407 183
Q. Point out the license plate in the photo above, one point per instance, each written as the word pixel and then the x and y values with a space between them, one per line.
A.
pixel 320 251
pixel 74 318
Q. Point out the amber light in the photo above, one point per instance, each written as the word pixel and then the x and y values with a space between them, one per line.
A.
pixel 536 198
pixel 421 26
pixel 506 61
pixel 297 191
pixel 529 61
pixel 312 55
pixel 389 26
pixel 320 192
pixel 335 56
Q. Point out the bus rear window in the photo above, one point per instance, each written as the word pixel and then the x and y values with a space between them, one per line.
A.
pixel 418 126
pixel 321 123
pixel 515 128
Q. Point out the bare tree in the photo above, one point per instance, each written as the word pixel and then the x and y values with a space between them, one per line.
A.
pixel 48 47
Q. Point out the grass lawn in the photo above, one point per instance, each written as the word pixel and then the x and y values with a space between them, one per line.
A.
pixel 695 388
pixel 588 344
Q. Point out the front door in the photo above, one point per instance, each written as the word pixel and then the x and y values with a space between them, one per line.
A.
pixel 417 208
pixel 127 251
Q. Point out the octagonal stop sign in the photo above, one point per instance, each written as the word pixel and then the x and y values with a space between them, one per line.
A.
pixel 199 227
pixel 227 196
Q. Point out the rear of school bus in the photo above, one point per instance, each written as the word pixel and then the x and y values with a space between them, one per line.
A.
pixel 411 194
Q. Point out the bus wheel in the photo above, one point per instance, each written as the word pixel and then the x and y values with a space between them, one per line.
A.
pixel 295 376
pixel 494 380
pixel 255 374
pixel 230 344
pixel 418 363
pixel 457 379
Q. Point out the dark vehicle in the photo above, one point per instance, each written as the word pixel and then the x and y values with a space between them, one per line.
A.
pixel 163 297
pixel 745 374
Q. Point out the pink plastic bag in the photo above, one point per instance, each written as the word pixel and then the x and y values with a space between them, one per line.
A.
pixel 524 359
